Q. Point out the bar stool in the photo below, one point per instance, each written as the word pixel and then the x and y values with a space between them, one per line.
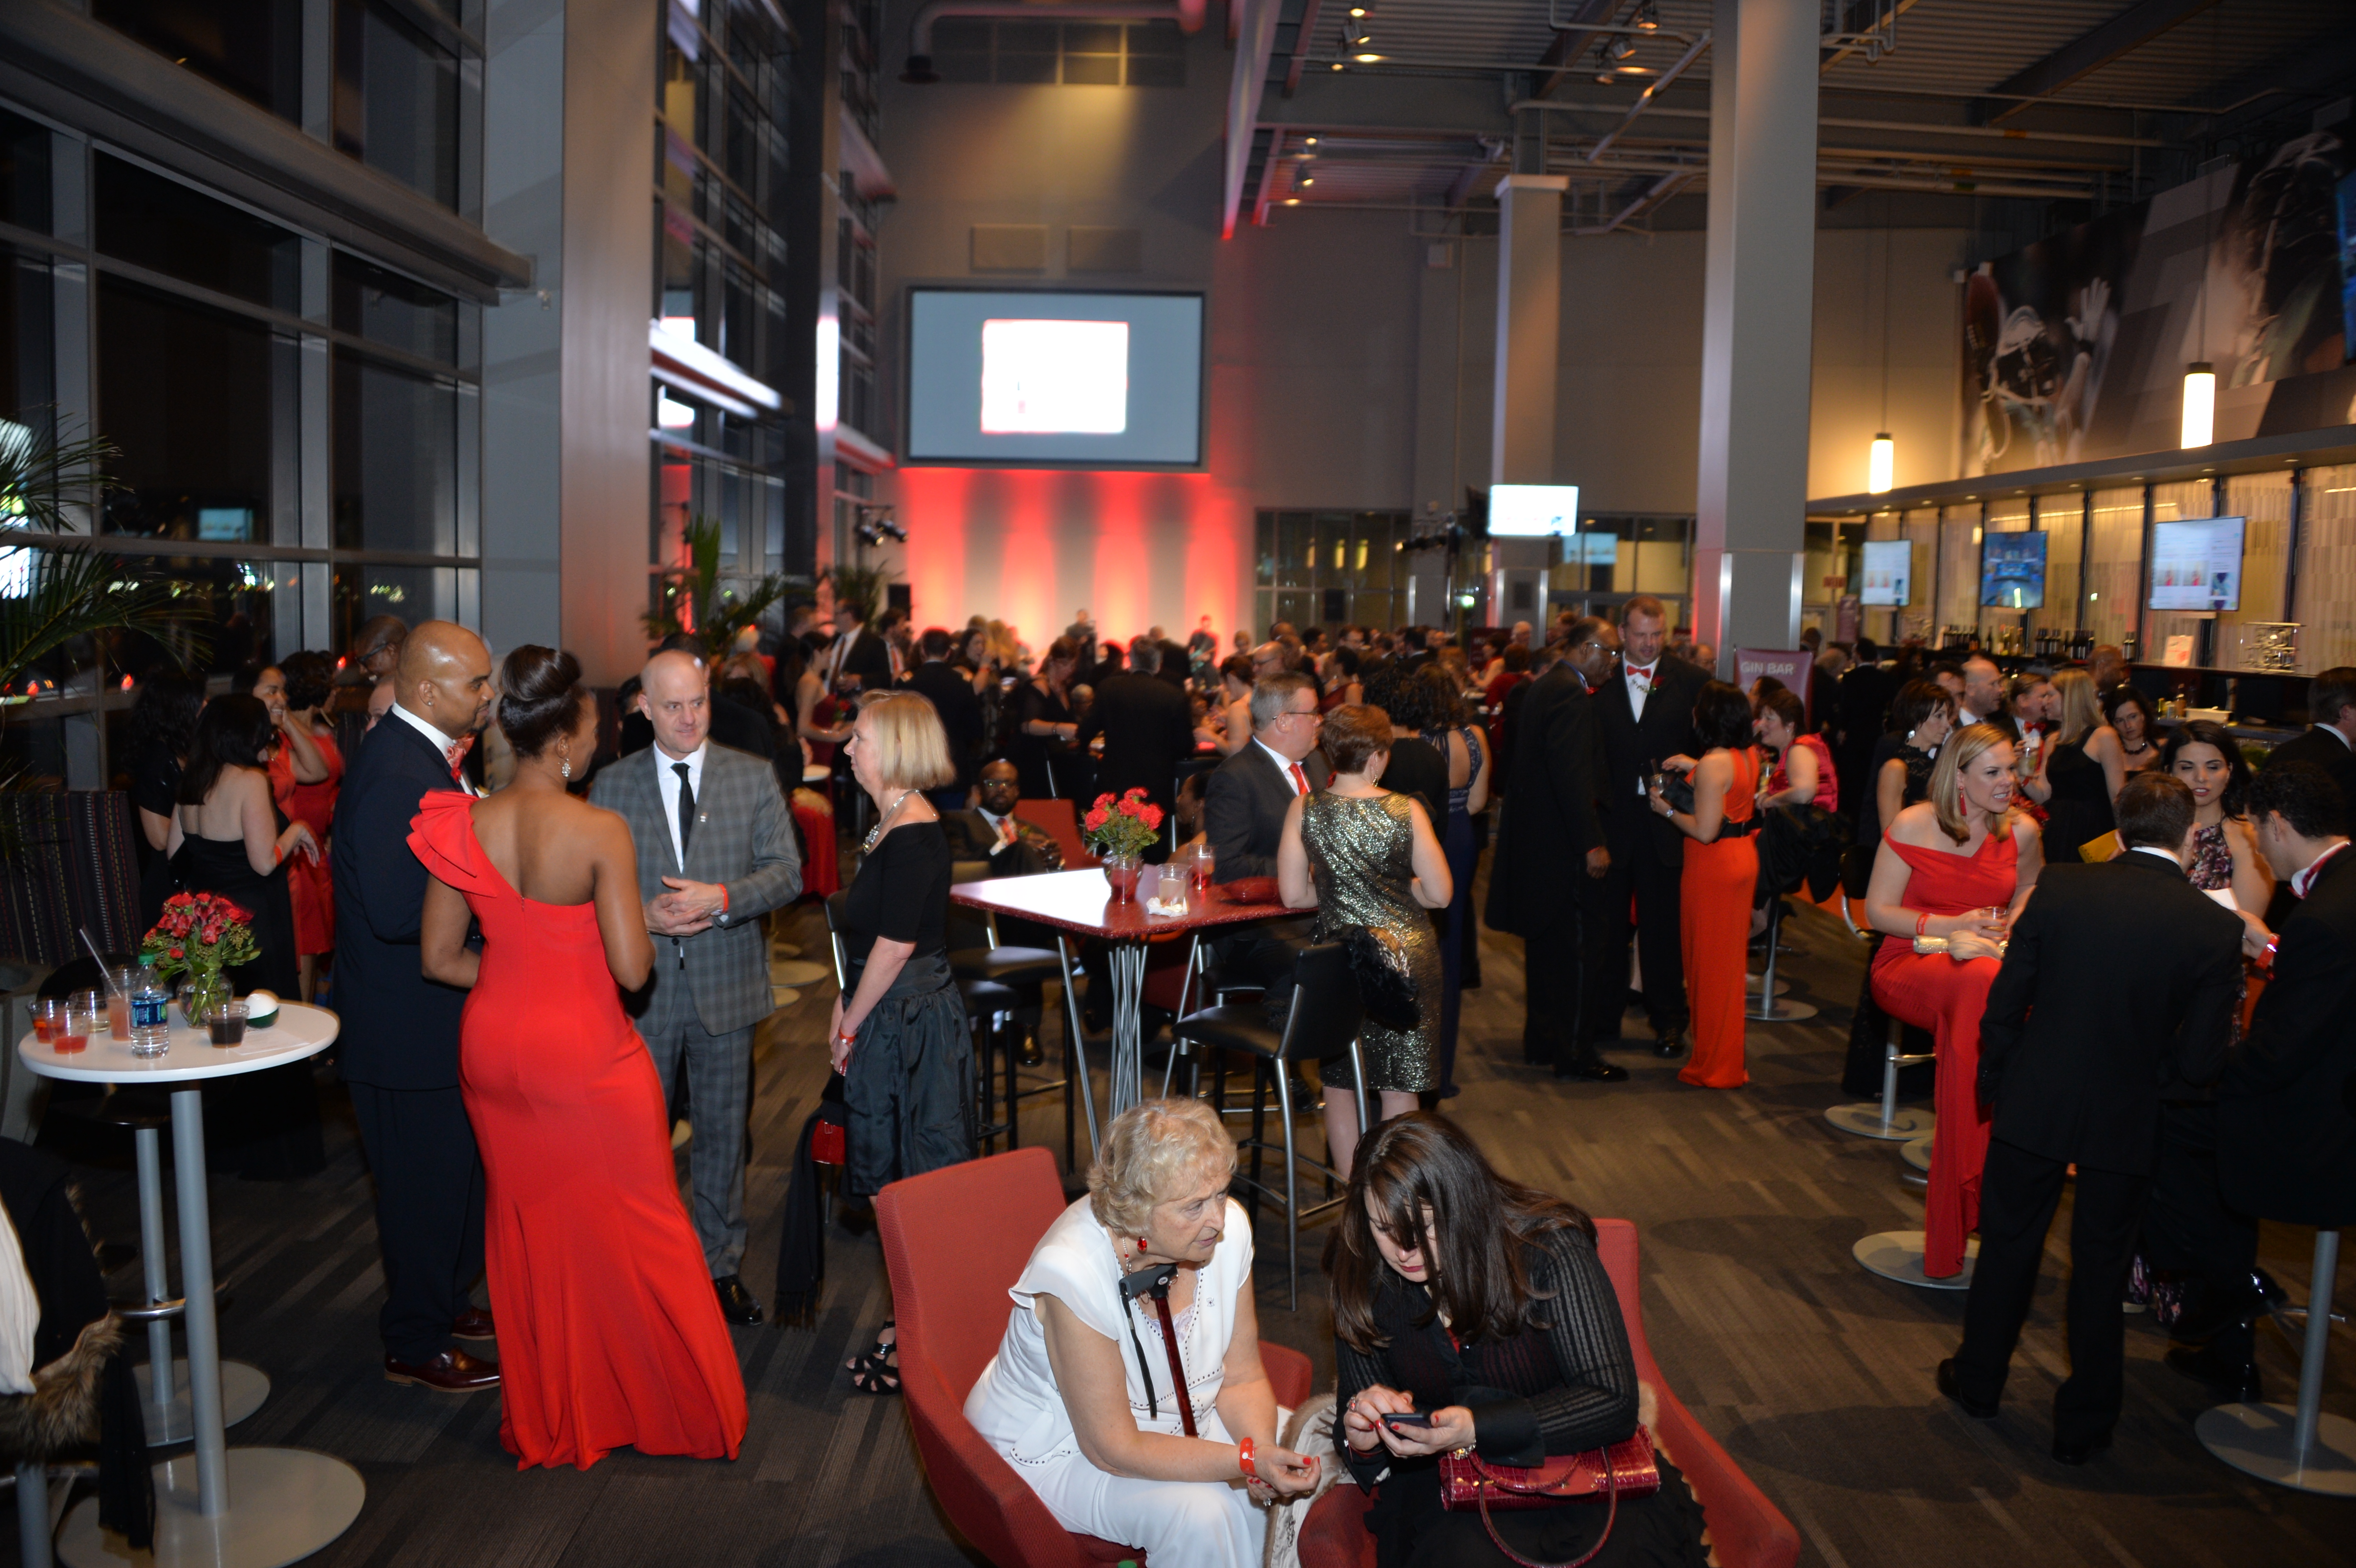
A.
pixel 1868 1119
pixel 2298 1446
pixel 1769 1008
pixel 1321 1022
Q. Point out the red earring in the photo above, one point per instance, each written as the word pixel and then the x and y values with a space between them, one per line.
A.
pixel 1141 1244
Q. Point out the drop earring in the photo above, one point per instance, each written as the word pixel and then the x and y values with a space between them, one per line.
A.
pixel 564 766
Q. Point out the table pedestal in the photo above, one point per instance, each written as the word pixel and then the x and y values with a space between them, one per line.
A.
pixel 289 1503
pixel 168 1410
pixel 2297 1446
pixel 1897 1255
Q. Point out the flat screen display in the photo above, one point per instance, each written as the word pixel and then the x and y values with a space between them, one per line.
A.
pixel 2198 565
pixel 1532 511
pixel 1038 378
pixel 1888 573
pixel 2012 571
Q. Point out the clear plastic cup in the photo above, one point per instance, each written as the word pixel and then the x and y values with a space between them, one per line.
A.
pixel 49 1016
pixel 83 1013
pixel 225 1022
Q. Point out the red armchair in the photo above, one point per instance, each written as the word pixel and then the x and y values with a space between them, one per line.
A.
pixel 955 1241
pixel 1744 1527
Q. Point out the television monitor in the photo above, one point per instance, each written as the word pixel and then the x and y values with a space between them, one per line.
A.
pixel 2012 571
pixel 1055 379
pixel 1888 573
pixel 2197 565
pixel 1532 511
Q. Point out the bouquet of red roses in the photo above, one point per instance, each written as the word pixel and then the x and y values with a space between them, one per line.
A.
pixel 1124 826
pixel 202 933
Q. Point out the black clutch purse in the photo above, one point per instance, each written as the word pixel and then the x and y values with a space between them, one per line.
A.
pixel 1387 988
pixel 1677 788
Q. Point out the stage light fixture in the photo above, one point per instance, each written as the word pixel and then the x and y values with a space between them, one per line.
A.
pixel 1648 16
pixel 2200 404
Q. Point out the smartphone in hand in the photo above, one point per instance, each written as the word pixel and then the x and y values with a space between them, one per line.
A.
pixel 1396 1419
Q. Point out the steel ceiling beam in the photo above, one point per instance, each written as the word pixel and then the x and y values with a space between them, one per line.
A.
pixel 1301 36
pixel 2088 53
pixel 1561 56
pixel 1245 87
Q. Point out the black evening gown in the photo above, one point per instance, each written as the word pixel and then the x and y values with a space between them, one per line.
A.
pixel 2080 811
pixel 262 1125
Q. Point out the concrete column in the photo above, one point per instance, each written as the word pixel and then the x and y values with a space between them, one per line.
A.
pixel 1756 321
pixel 1529 327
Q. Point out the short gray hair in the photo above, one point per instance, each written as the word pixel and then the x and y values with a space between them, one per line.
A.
pixel 1272 695
pixel 1148 1150
pixel 1145 656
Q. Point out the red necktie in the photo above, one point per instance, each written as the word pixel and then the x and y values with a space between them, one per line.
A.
pixel 455 753
pixel 1300 779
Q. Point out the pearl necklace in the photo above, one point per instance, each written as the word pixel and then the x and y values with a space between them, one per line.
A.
pixel 883 822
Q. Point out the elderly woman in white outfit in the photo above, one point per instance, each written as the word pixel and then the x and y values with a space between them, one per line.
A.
pixel 1081 1397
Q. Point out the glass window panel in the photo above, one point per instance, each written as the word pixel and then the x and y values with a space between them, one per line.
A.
pixel 396 458
pixel 24 173
pixel 28 338
pixel 169 227
pixel 1292 544
pixel 190 395
pixel 233 602
pixel 415 593
pixel 254 48
pixel 385 307
pixel 396 99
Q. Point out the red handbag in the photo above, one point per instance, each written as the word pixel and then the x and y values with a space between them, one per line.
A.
pixel 1625 1470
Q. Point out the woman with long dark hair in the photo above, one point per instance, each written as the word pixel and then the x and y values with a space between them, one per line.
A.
pixel 1481 1305
pixel 2224 845
pixel 163 725
pixel 2132 715
pixel 1044 722
pixel 1921 719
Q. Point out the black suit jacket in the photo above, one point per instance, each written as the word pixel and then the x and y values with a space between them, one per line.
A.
pixel 2119 984
pixel 950 691
pixel 400 1028
pixel 867 658
pixel 2286 1134
pixel 2325 753
pixel 1148 725
pixel 1554 808
pixel 1244 807
pixel 1861 706
pixel 1631 750
pixel 972 838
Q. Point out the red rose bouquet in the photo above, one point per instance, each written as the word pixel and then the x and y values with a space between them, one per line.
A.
pixel 201 933
pixel 1126 827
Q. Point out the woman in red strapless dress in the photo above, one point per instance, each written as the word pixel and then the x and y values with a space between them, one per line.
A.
pixel 1720 872
pixel 1957 866
pixel 608 1331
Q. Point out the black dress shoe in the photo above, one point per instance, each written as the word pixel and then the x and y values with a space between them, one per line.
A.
pixel 2235 1381
pixel 1954 1391
pixel 2068 1452
pixel 1590 1069
pixel 736 1303
pixel 1669 1046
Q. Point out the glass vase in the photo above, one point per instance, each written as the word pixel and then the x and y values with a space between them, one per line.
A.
pixel 1121 871
pixel 198 992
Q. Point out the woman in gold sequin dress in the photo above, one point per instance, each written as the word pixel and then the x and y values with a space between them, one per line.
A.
pixel 1362 855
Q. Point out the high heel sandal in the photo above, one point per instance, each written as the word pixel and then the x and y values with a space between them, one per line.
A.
pixel 881 1353
pixel 874 1377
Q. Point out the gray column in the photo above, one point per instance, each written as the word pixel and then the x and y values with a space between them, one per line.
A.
pixel 1753 480
pixel 1529 327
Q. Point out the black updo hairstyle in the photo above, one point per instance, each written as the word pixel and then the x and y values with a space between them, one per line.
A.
pixel 308 678
pixel 539 697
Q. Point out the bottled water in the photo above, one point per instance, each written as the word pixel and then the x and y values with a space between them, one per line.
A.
pixel 151 1035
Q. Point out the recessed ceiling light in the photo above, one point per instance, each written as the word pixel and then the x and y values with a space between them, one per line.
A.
pixel 1292 201
pixel 1357 10
pixel 1310 142
pixel 1337 65
pixel 1366 59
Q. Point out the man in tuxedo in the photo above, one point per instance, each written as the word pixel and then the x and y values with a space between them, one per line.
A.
pixel 1546 881
pixel 399 1050
pixel 1243 814
pixel 1860 711
pixel 1147 725
pixel 950 691
pixel 716 851
pixel 2119 978
pixel 1646 712
pixel 857 653
pixel 2332 734
pixel 1982 701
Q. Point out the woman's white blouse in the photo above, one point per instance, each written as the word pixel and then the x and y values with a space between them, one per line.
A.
pixel 1016 1405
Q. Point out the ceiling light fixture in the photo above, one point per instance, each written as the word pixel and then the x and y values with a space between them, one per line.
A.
pixel 1881 467
pixel 1881 461
pixel 1308 142
pixel 1648 16
pixel 1308 181
pixel 1366 59
pixel 2200 404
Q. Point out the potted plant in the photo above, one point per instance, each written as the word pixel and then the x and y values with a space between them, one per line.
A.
pixel 697 601
pixel 1119 831
pixel 201 934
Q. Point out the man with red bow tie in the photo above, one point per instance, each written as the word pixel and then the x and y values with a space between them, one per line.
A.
pixel 399 1048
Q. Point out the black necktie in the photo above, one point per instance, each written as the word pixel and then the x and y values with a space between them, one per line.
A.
pixel 686 813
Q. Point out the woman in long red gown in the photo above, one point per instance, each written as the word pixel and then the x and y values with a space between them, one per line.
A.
pixel 609 1333
pixel 1958 866
pixel 303 686
pixel 1714 891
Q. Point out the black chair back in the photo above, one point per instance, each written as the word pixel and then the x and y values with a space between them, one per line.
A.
pixel 967 927
pixel 1325 1009
pixel 838 906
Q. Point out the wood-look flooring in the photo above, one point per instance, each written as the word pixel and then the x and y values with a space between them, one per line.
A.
pixel 1813 1374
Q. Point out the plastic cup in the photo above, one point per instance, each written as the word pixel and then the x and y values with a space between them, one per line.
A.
pixel 1205 862
pixel 49 1013
pixel 225 1021
pixel 81 1015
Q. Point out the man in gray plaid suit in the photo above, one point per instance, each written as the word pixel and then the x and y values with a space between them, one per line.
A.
pixel 716 852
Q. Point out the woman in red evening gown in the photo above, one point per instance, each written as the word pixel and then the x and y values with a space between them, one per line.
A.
pixel 305 681
pixel 608 1330
pixel 1714 890
pixel 1957 866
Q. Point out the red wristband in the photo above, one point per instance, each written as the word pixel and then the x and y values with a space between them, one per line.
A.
pixel 1244 1457
pixel 1919 922
pixel 724 898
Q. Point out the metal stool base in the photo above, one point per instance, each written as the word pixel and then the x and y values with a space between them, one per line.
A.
pixel 244 1388
pixel 2255 1439
pixel 1864 1119
pixel 1916 1152
pixel 286 1504
pixel 1897 1255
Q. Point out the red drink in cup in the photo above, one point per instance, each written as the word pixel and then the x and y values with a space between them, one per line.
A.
pixel 46 1015
pixel 73 1031
pixel 118 1016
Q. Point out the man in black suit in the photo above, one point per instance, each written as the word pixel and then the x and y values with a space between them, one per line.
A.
pixel 2331 709
pixel 1860 711
pixel 950 691
pixel 1548 877
pixel 1243 814
pixel 857 652
pixel 1646 711
pixel 1147 725
pixel 2119 978
pixel 399 1048
pixel 992 832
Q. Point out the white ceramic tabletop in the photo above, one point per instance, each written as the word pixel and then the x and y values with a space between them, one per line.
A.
pixel 301 1031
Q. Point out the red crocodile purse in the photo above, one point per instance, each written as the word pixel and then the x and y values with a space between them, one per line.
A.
pixel 1625 1470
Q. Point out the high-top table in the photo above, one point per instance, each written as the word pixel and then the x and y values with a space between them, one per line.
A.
pixel 288 1503
pixel 1079 903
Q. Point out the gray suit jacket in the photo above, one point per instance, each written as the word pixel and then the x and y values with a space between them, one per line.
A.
pixel 744 839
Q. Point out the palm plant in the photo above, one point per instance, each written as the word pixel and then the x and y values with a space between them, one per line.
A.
pixel 858 586
pixel 716 611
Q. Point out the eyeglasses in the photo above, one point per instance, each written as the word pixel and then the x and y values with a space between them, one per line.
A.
pixel 1309 713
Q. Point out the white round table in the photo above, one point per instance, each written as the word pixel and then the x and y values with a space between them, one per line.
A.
pixel 291 1502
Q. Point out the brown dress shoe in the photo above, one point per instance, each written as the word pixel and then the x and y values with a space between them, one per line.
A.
pixel 452 1372
pixel 475 1323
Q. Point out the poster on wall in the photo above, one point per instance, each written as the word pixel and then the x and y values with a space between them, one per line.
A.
pixel 2074 348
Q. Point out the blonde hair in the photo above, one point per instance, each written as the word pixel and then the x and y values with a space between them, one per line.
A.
pixel 912 750
pixel 1961 750
pixel 1147 1151
pixel 2082 705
